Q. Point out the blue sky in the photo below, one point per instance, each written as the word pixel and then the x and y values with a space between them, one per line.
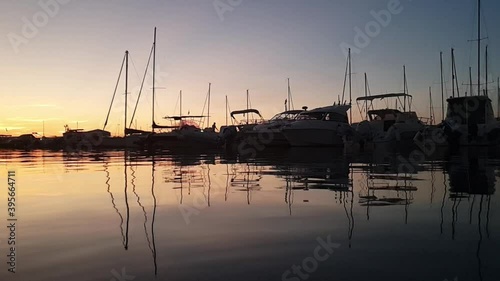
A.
pixel 67 70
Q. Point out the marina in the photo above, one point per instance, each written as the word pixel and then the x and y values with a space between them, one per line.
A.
pixel 243 140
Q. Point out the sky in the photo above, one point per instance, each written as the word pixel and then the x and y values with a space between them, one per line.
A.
pixel 60 59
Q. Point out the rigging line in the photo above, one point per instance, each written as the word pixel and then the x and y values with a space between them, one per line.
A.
pixel 176 103
pixel 114 94
pixel 142 86
pixel 345 79
pixel 203 110
pixel 135 69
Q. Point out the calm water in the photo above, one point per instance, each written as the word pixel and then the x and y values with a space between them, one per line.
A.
pixel 117 216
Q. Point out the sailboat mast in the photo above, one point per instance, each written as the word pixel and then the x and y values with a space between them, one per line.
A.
pixel 498 96
pixel 470 81
pixel 452 75
pixel 226 110
pixel 180 103
pixel 154 74
pixel 247 106
pixel 431 117
pixel 366 94
pixel 126 92
pixel 209 86
pixel 350 87
pixel 442 85
pixel 404 86
pixel 478 47
pixel 289 97
pixel 486 75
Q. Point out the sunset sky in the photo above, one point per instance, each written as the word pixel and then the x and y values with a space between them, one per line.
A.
pixel 60 60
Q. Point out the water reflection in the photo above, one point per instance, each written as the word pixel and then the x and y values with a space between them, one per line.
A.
pixel 248 209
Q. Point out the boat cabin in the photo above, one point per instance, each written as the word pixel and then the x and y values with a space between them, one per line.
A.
pixel 470 110
pixel 337 113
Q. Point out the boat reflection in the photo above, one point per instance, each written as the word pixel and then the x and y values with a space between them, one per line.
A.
pixel 471 183
pixel 128 165
pixel 385 183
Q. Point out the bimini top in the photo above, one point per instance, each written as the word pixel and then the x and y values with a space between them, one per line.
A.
pixel 237 112
pixel 383 96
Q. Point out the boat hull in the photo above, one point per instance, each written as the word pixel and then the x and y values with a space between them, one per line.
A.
pixel 313 137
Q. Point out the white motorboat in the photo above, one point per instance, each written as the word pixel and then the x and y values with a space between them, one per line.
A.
pixel 271 129
pixel 322 126
pixel 389 124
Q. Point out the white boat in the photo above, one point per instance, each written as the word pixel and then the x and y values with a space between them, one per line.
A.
pixel 271 129
pixel 389 124
pixel 322 126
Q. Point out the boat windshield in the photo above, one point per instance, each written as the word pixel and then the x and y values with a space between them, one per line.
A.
pixel 284 116
pixel 311 116
pixel 325 116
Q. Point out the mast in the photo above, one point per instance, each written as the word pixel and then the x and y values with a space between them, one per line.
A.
pixel 404 86
pixel 470 81
pixel 226 110
pixel 154 74
pixel 247 106
pixel 478 47
pixel 180 103
pixel 486 75
pixel 366 94
pixel 126 92
pixel 498 96
pixel 442 86
pixel 452 74
pixel 289 97
pixel 209 86
pixel 350 87
pixel 431 113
